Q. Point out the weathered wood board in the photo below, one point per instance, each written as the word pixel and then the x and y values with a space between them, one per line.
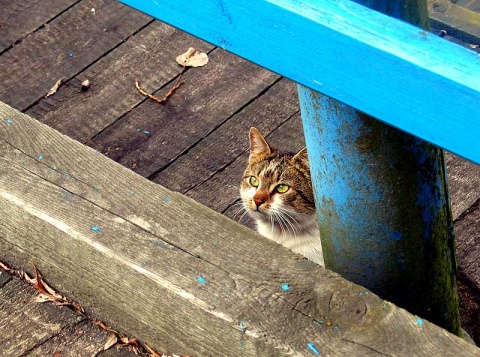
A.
pixel 216 151
pixel 159 265
pixel 30 328
pixel 148 56
pixel 206 94
pixel 20 18
pixel 458 21
pixel 69 43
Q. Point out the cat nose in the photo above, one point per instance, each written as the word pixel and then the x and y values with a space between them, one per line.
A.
pixel 259 200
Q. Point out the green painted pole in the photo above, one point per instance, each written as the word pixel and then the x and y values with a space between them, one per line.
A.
pixel 382 199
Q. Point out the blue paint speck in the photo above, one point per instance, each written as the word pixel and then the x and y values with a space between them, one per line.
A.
pixel 9 121
pixel 139 130
pixel 96 228
pixel 40 157
pixel 313 348
pixel 243 327
pixel 285 287
pixel 147 132
pixel 201 279
pixel 71 54
pixel 319 323
pixel 420 321
pixel 396 236
pixel 167 199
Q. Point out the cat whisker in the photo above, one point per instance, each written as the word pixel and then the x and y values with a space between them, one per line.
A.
pixel 288 220
pixel 242 216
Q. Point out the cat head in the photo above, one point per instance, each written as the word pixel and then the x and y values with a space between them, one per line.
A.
pixel 276 187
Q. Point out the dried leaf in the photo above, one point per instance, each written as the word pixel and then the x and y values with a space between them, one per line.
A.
pixel 40 298
pixel 152 352
pixel 112 339
pixel 57 354
pixel 192 58
pixel 43 287
pixel 54 89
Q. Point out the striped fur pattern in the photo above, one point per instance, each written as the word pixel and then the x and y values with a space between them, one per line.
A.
pixel 276 191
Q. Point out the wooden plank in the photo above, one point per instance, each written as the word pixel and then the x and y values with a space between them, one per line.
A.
pixel 467 229
pixel 464 183
pixel 224 145
pixel 25 325
pixel 20 18
pixel 468 247
pixel 141 269
pixel 148 56
pixel 458 21
pixel 63 48
pixel 82 339
pixel 384 67
pixel 210 95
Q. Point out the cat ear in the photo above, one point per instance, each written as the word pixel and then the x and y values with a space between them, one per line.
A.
pixel 259 147
pixel 301 156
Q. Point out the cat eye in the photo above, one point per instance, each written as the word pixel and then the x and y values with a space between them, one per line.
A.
pixel 282 188
pixel 253 181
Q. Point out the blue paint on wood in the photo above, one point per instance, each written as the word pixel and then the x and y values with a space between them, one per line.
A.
pixel 384 67
pixel 96 228
pixel 420 321
pixel 285 287
pixel 379 191
pixel 201 279
pixel 9 121
pixel 40 157
pixel 313 348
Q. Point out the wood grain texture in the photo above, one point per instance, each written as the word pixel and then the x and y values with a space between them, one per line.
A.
pixel 140 269
pixel 210 95
pixel 224 145
pixel 25 326
pixel 63 48
pixel 381 66
pixel 148 56
pixel 20 18
pixel 456 20
pixel 468 253
pixel 464 183
pixel 82 339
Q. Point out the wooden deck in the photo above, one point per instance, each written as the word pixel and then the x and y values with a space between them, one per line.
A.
pixel 194 144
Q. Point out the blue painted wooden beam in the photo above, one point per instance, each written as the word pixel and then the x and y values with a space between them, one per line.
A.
pixel 382 66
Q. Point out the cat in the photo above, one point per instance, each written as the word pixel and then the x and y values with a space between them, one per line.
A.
pixel 276 191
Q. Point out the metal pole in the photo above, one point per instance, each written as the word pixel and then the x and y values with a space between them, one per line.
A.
pixel 382 200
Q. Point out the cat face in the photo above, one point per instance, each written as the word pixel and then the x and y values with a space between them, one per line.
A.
pixel 276 188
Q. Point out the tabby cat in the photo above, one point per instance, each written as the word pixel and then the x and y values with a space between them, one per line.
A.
pixel 276 191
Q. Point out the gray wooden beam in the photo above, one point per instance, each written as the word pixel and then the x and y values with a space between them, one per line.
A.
pixel 181 277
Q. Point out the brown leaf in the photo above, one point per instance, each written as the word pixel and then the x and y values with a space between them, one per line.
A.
pixel 192 58
pixel 112 339
pixel 42 298
pixel 152 352
pixel 54 89
pixel 57 354
pixel 43 287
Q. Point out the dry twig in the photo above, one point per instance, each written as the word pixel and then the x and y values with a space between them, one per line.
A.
pixel 170 92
